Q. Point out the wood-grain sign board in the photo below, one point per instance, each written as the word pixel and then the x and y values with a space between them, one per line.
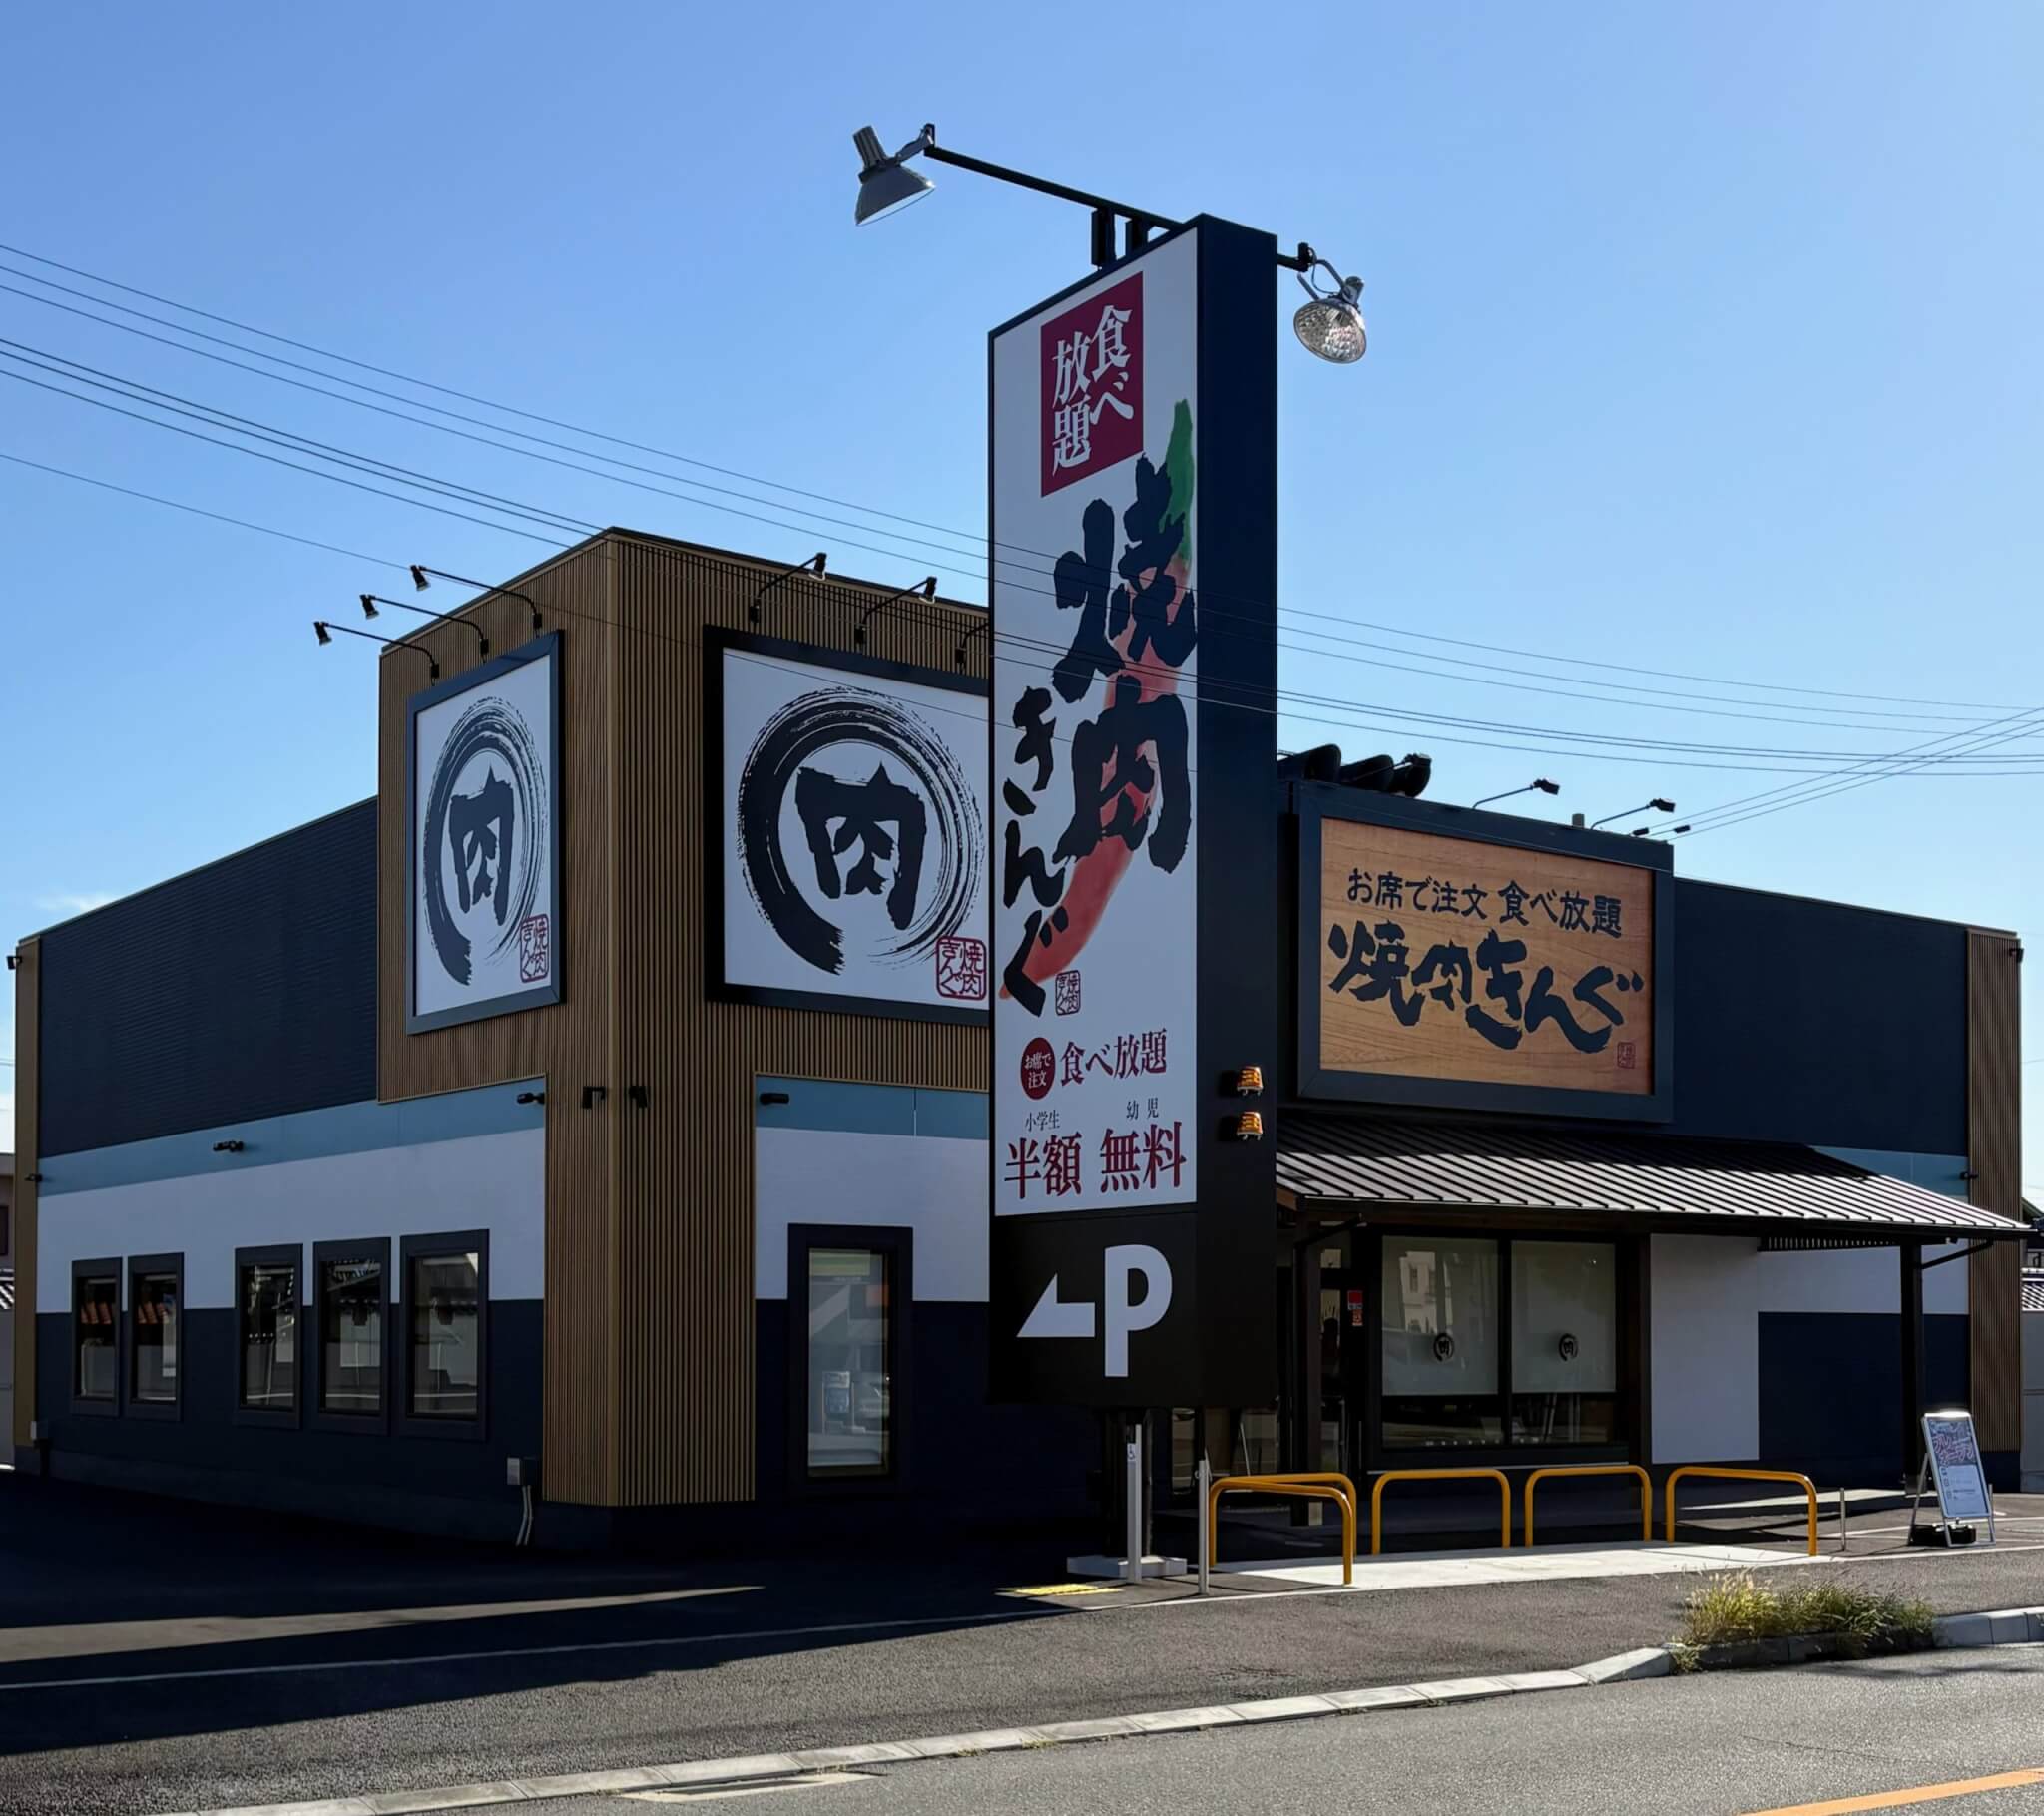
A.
pixel 1475 973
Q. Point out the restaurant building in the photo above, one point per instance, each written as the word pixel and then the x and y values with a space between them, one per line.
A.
pixel 589 1134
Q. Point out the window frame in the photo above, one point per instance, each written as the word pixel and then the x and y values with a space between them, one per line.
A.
pixel 1629 1398
pixel 433 1425
pixel 100 1268
pixel 318 1415
pixel 276 1254
pixel 897 1243
pixel 134 1406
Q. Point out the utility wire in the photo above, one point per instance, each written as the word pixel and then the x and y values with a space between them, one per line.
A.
pixel 378 468
pixel 1561 742
pixel 708 466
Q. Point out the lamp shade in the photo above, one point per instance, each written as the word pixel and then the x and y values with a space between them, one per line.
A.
pixel 1330 327
pixel 886 184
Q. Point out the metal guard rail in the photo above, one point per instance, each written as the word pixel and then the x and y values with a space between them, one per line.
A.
pixel 1594 1469
pixel 1740 1475
pixel 1377 1498
pixel 1322 1486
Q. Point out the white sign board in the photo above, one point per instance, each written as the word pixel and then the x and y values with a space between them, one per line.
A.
pixel 1953 1447
pixel 853 827
pixel 483 824
pixel 1095 525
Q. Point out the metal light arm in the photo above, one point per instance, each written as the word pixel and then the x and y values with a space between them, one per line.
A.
pixel 370 600
pixel 985 625
pixel 927 588
pixel 326 626
pixel 418 578
pixel 815 564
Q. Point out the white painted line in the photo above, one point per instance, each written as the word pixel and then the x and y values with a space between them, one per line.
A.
pixel 526 1651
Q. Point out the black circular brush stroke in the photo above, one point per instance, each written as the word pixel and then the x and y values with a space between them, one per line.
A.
pixel 808 725
pixel 489 727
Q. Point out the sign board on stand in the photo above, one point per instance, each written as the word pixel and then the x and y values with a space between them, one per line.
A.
pixel 1951 1460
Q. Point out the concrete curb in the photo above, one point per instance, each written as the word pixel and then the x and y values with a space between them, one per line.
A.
pixel 2009 1627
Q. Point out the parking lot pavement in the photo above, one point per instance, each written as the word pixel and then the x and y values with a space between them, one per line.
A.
pixel 188 1658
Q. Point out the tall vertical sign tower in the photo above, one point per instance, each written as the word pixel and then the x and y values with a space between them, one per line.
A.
pixel 1135 829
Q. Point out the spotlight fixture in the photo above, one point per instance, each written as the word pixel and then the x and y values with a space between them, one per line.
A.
pixel 1540 782
pixel 886 185
pixel 927 588
pixel 1657 803
pixel 226 1146
pixel 1246 1082
pixel 324 629
pixel 815 564
pixel 1331 326
pixel 12 962
pixel 985 625
pixel 1249 1127
pixel 420 580
pixel 532 1097
pixel 370 600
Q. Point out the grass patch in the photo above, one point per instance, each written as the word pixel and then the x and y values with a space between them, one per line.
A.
pixel 1739 1606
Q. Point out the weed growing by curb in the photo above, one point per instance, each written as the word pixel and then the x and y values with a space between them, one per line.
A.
pixel 1739 1606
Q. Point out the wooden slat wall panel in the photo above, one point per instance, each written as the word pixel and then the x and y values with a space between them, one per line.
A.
pixel 28 1023
pixel 1994 1150
pixel 689 1412
pixel 569 1045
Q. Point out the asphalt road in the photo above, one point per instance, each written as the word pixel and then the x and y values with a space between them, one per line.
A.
pixel 158 1656
pixel 1727 1744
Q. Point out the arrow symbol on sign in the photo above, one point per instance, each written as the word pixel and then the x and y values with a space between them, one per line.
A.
pixel 1056 1318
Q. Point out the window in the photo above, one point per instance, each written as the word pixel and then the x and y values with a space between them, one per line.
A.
pixel 1488 1343
pixel 96 1336
pixel 350 1288
pixel 445 1297
pixel 267 1325
pixel 849 1319
pixel 1440 1343
pixel 1564 1343
pixel 155 1333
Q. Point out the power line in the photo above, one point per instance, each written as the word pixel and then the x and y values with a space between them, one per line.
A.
pixel 753 479
pixel 1856 718
pixel 1309 708
pixel 154 398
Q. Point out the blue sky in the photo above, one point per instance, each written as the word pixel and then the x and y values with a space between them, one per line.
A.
pixel 1702 340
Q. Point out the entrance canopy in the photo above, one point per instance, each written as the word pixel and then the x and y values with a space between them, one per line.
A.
pixel 1471 1172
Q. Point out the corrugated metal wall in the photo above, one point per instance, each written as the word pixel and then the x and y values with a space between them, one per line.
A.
pixel 240 990
pixel 1994 1150
pixel 570 1043
pixel 689 1423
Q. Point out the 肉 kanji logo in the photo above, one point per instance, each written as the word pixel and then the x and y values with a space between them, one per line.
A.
pixel 1093 384
pixel 857 829
pixel 483 853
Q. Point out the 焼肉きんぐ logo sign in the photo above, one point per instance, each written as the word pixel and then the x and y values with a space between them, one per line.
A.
pixel 1095 652
pixel 484 856
pixel 853 832
pixel 1135 842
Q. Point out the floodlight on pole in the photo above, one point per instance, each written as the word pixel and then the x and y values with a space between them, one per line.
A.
pixel 1657 803
pixel 1331 326
pixel 1540 782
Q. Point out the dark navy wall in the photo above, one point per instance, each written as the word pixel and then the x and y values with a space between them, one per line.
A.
pixel 964 1461
pixel 1831 1390
pixel 245 989
pixel 1818 1023
pixel 444 1484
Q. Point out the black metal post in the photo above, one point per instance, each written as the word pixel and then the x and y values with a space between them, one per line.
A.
pixel 1912 1360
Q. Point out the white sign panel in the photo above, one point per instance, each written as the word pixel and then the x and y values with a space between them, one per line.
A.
pixel 483 809
pixel 854 823
pixel 1955 1451
pixel 1095 519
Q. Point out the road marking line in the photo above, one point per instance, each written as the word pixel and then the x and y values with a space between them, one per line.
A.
pixel 525 1651
pixel 1928 1793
